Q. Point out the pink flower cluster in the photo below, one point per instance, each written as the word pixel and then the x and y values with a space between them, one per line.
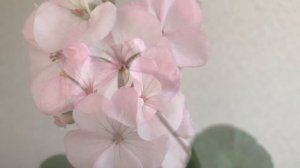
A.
pixel 116 73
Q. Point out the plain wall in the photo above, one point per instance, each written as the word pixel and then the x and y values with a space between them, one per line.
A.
pixel 252 81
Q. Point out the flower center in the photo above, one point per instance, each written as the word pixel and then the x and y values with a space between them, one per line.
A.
pixel 90 89
pixel 144 98
pixel 82 13
pixel 118 138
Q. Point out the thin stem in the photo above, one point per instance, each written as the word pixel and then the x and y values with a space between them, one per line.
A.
pixel 174 133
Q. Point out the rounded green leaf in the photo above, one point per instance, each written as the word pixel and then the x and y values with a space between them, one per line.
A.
pixel 194 161
pixel 56 161
pixel 228 147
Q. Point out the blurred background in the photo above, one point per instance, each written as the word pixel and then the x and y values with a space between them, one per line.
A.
pixel 252 81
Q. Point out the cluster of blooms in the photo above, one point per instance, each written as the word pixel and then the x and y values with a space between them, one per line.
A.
pixel 116 73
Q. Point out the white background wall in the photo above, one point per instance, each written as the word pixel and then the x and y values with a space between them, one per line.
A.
pixel 252 81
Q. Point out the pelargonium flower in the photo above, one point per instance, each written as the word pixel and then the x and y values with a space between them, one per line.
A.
pixel 61 77
pixel 127 49
pixel 152 95
pixel 135 46
pixel 104 142
pixel 61 23
pixel 51 90
pixel 181 25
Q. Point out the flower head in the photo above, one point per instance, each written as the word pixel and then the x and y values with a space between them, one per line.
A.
pixel 105 142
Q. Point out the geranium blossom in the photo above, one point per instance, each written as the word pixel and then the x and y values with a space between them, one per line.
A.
pixel 116 72
pixel 103 142
pixel 128 47
pixel 59 79
pixel 60 23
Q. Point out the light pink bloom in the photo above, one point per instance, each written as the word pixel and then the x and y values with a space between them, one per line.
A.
pixel 59 80
pixel 61 23
pixel 102 142
pixel 51 91
pixel 152 95
pixel 127 49
pixel 181 23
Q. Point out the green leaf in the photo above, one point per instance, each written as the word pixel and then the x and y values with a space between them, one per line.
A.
pixel 194 161
pixel 56 161
pixel 228 147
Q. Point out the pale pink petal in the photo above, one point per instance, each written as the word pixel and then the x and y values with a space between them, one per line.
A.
pixel 118 157
pixel 150 93
pixel 98 74
pixel 56 96
pixel 74 58
pixel 186 129
pixel 102 74
pixel 181 13
pixel 144 65
pixel 42 71
pixel 172 112
pixel 134 21
pixel 190 47
pixel 176 157
pixel 56 27
pixel 89 116
pixel 101 22
pixel 150 153
pixel 168 73
pixel 41 65
pixel 151 129
pixel 52 92
pixel 28 30
pixel 146 114
pixel 151 86
pixel 84 148
pixel 125 106
pixel 160 8
pixel 181 22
